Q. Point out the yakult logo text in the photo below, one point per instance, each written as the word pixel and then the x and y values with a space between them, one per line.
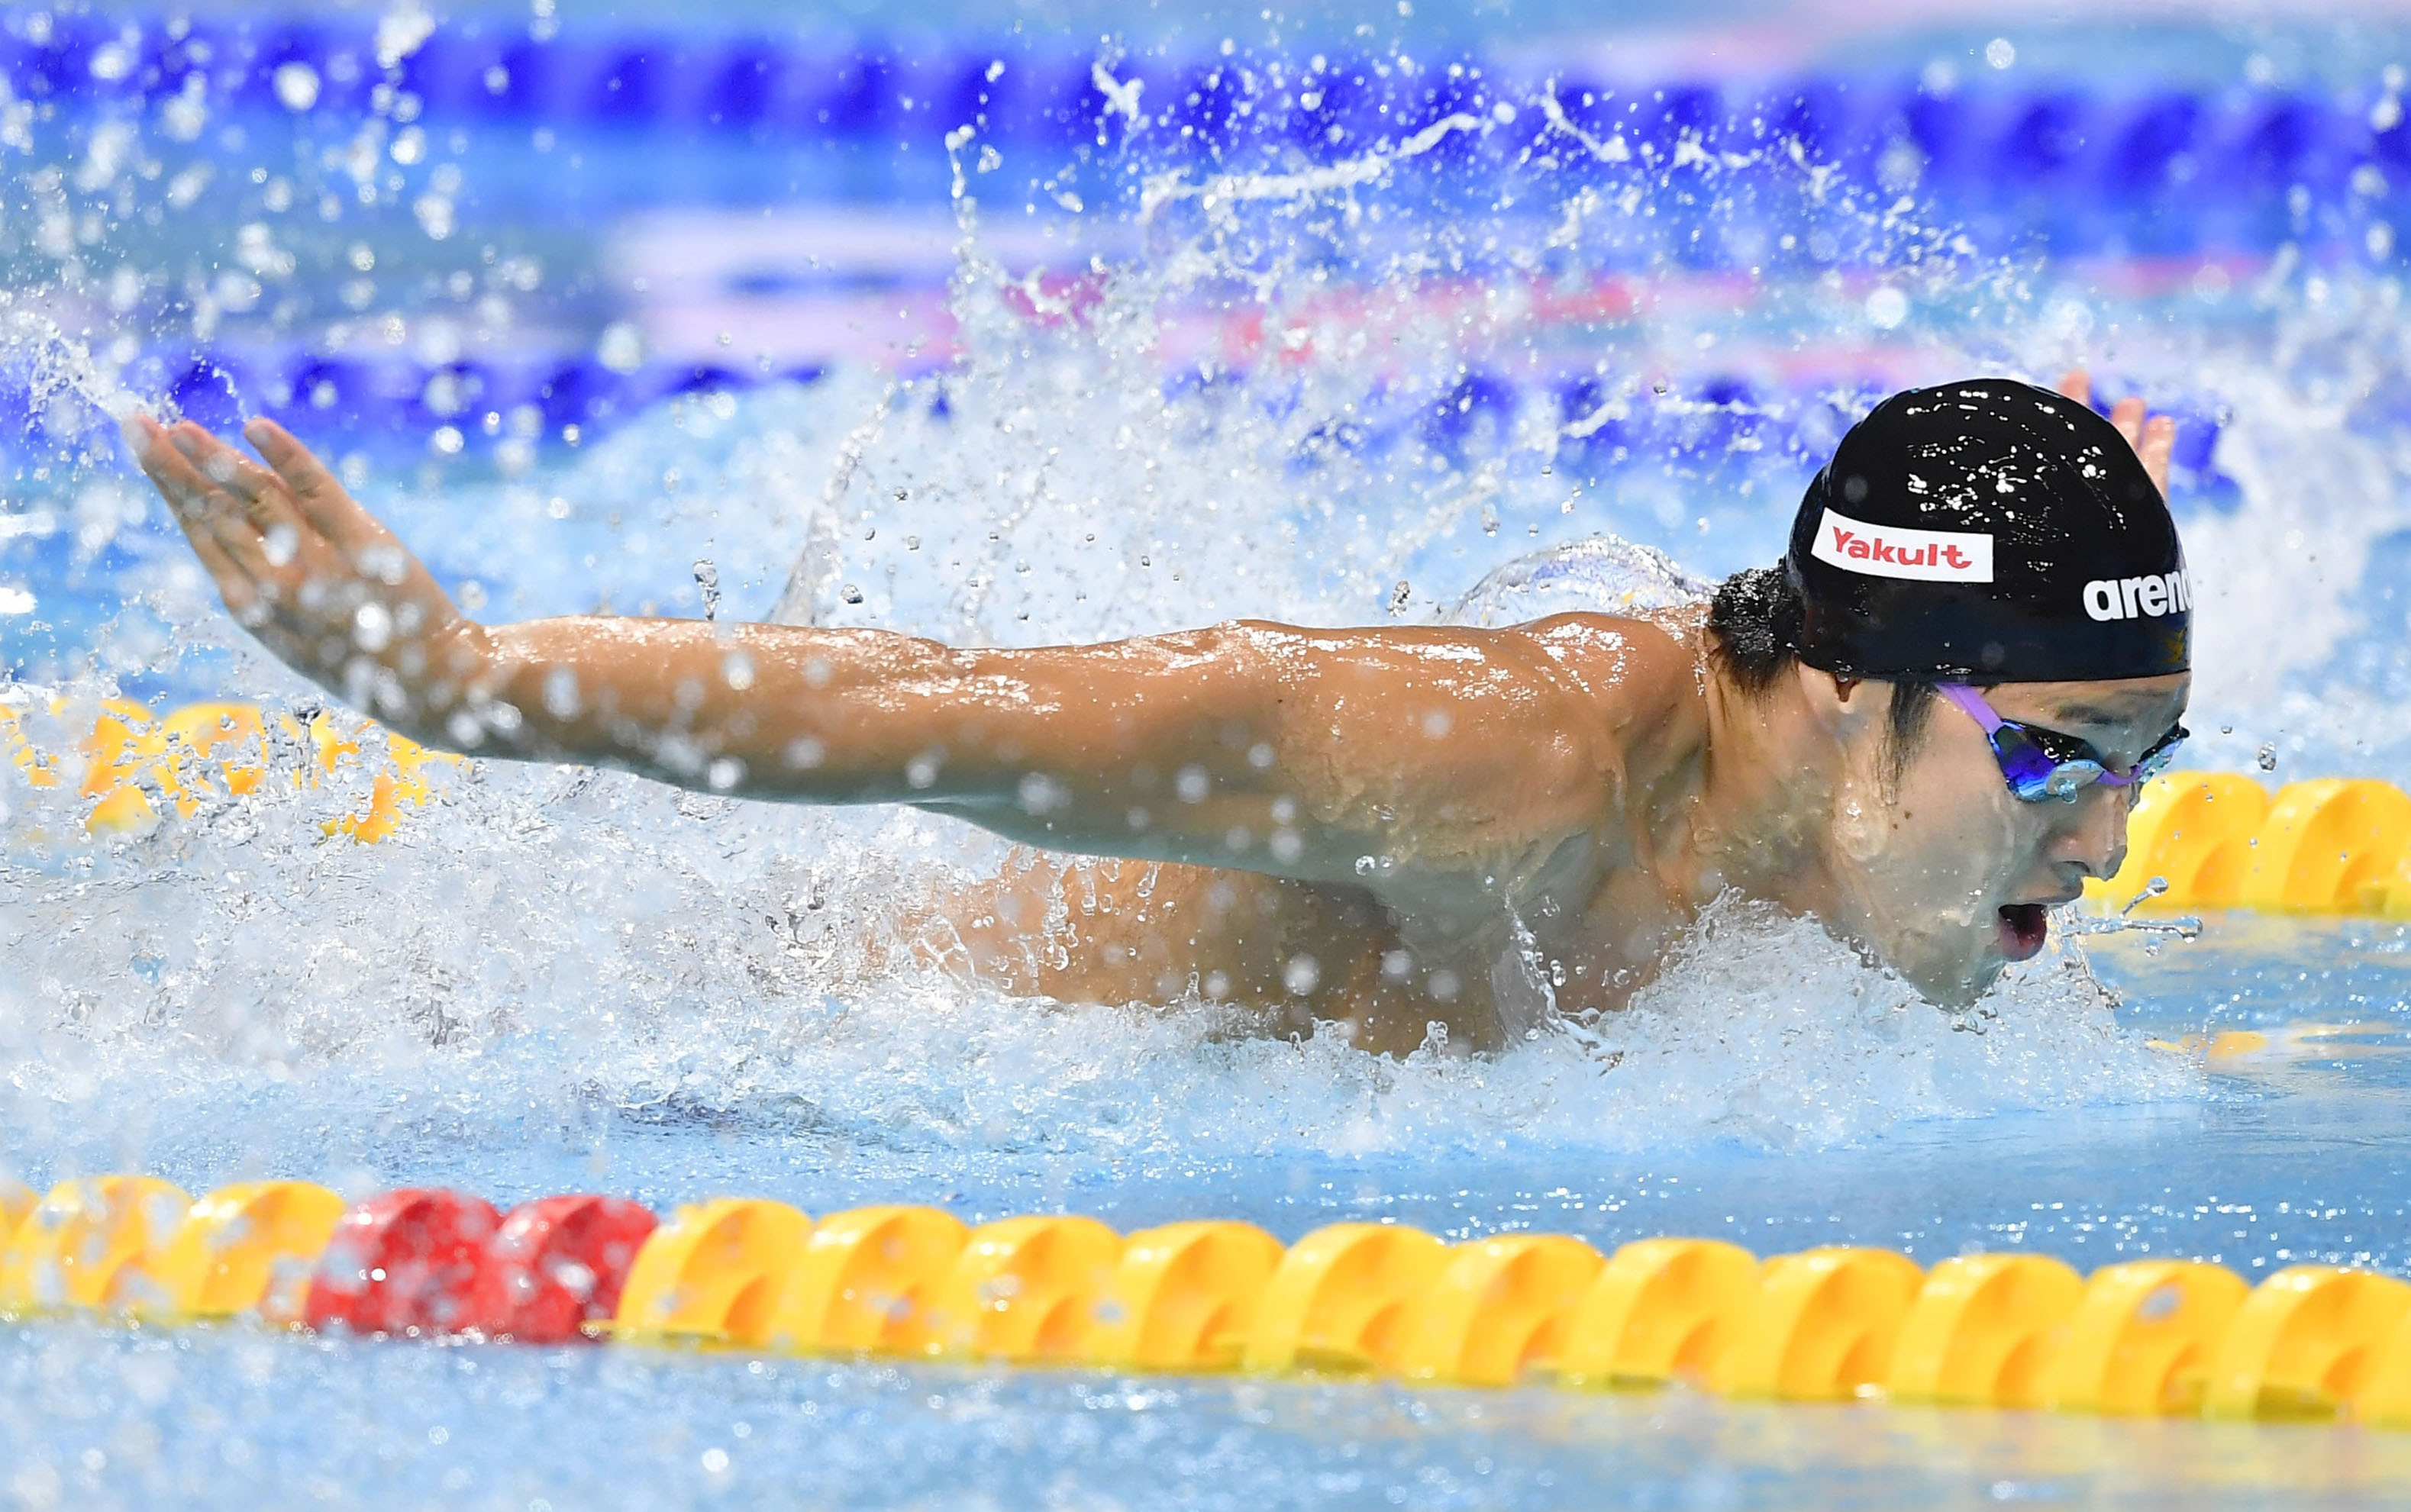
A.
pixel 1890 551
pixel 2147 597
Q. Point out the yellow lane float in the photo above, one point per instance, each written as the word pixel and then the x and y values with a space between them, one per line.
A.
pixel 131 761
pixel 1661 1309
pixel 246 1248
pixel 2193 830
pixel 92 1245
pixel 2384 1397
pixel 713 1275
pixel 1823 1325
pixel 2221 840
pixel 16 1200
pixel 1024 1289
pixel 1183 1297
pixel 2323 843
pixel 2304 1344
pixel 1338 1299
pixel 2139 1343
pixel 1497 1308
pixel 1980 1330
pixel 865 1280
pixel 2139 1338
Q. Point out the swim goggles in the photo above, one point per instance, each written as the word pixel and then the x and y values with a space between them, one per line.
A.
pixel 2043 763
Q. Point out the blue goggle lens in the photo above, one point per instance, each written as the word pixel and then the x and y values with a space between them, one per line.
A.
pixel 2035 773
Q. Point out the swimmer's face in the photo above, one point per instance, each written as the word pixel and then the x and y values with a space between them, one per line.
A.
pixel 1947 873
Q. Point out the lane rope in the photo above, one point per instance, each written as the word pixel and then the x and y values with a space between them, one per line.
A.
pixel 750 1275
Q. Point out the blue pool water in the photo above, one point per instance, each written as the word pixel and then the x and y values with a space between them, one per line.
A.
pixel 1165 360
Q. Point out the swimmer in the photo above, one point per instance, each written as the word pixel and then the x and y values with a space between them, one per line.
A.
pixel 1924 728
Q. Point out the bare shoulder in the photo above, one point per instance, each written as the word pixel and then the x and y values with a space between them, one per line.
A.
pixel 1478 742
pixel 1629 671
pixel 1592 681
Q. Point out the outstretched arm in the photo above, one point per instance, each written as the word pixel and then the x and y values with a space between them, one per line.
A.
pixel 1320 755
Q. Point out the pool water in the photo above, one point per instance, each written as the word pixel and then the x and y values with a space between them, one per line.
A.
pixel 1150 369
pixel 2283 1155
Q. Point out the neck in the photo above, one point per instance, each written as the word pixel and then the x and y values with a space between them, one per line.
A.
pixel 1764 818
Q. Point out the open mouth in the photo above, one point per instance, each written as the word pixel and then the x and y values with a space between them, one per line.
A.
pixel 2023 927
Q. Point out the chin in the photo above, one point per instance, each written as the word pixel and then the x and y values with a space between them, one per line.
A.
pixel 1956 986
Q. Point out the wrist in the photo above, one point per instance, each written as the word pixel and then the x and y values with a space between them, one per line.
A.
pixel 459 676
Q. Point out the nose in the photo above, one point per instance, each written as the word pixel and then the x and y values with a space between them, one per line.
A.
pixel 2093 836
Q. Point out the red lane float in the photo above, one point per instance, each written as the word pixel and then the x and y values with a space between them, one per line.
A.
pixel 407 1262
pixel 555 1265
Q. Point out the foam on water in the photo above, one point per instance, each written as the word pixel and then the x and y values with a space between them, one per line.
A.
pixel 547 945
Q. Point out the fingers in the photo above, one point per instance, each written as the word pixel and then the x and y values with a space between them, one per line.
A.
pixel 263 551
pixel 171 462
pixel 260 493
pixel 2159 441
pixel 221 463
pixel 2152 436
pixel 191 508
pixel 2127 416
pixel 193 498
pixel 234 585
pixel 225 529
pixel 321 498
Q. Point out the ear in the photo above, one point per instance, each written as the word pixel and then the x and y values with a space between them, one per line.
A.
pixel 1845 707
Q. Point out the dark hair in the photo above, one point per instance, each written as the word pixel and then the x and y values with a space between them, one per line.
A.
pixel 1754 623
pixel 1754 626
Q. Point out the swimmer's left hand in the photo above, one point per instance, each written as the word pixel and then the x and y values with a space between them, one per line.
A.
pixel 2152 436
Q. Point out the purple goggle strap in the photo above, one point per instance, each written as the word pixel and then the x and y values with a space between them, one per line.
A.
pixel 1971 703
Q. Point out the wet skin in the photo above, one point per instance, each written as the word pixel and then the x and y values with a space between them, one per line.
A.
pixel 1387 828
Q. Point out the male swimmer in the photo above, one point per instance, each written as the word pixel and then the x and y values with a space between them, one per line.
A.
pixel 1925 727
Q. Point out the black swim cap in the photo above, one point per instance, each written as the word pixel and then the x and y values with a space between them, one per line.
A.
pixel 1988 531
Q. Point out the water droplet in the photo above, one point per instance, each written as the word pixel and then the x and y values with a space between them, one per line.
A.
pixel 621 348
pixel 1302 975
pixel 296 85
